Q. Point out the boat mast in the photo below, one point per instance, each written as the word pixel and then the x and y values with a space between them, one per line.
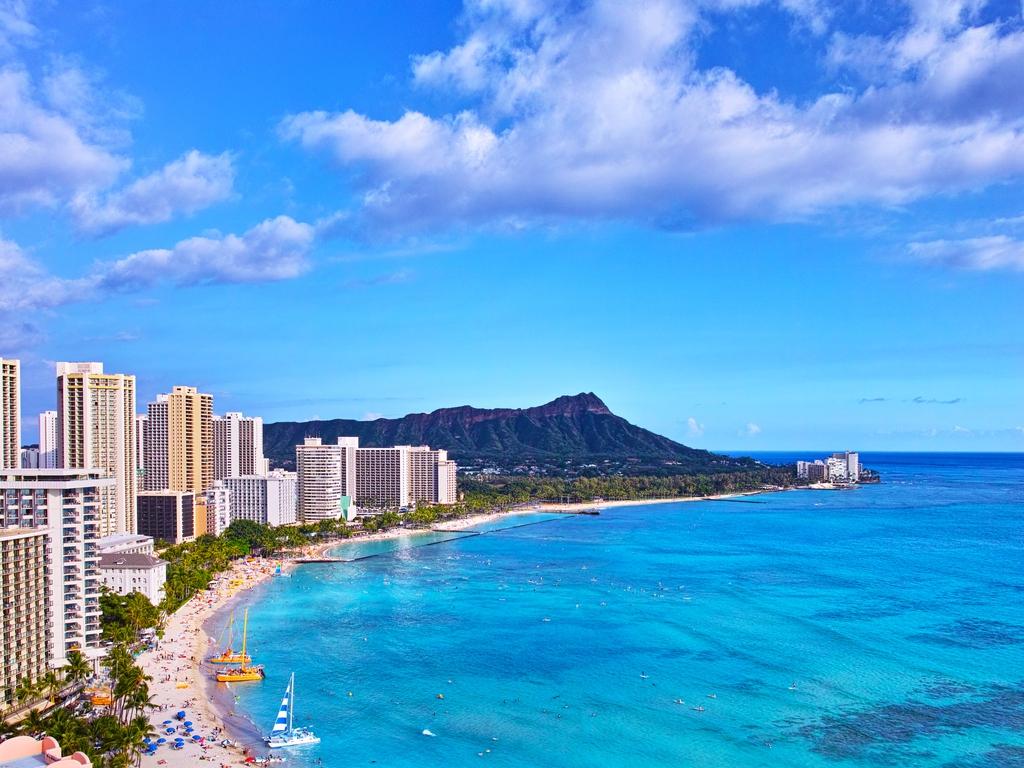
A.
pixel 245 630
pixel 291 701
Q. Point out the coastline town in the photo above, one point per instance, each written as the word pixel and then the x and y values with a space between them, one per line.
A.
pixel 95 511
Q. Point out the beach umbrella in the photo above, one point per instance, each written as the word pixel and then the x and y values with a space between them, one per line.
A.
pixel 161 740
pixel 197 738
pixel 168 722
pixel 188 723
pixel 169 730
pixel 181 715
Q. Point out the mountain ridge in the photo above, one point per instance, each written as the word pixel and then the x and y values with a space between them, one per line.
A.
pixel 578 430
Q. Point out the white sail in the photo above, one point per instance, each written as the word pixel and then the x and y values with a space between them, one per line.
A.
pixel 283 722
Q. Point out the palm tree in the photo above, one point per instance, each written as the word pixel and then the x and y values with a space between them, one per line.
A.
pixel 77 667
pixel 33 723
pixel 136 732
pixel 27 690
pixel 51 684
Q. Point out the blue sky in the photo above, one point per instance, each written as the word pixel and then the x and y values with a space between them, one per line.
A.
pixel 744 224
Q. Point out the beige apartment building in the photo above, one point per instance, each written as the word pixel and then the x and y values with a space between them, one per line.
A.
pixel 10 413
pixel 431 475
pixel 179 446
pixel 96 430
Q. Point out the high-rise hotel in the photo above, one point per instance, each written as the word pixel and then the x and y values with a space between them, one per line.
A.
pixel 326 477
pixel 371 478
pixel 10 413
pixel 179 446
pixel 238 446
pixel 96 430
pixel 49 576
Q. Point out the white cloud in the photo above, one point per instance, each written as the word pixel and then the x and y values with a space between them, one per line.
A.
pixel 599 110
pixel 15 27
pixel 26 285
pixel 751 429
pixel 186 185
pixel 25 290
pixel 275 249
pixel 45 155
pixel 694 428
pixel 994 252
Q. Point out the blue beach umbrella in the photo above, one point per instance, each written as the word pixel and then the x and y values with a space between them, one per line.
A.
pixel 161 740
pixel 188 723
pixel 169 730
pixel 181 715
pixel 168 722
pixel 197 737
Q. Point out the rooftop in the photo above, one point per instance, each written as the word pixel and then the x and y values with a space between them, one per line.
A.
pixel 129 560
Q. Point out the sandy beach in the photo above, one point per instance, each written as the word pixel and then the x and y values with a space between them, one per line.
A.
pixel 176 666
pixel 178 681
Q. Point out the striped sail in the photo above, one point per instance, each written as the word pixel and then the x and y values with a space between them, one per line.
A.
pixel 281 724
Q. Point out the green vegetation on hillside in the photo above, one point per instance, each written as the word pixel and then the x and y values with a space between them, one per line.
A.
pixel 481 492
pixel 577 433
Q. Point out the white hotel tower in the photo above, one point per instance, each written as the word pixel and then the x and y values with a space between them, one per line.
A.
pixel 372 478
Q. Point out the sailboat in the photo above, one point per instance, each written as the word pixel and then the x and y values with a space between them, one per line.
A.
pixel 245 672
pixel 284 734
pixel 228 656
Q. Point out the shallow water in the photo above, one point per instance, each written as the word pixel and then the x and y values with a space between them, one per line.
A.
pixel 881 626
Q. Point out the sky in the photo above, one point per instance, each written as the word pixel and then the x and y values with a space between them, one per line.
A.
pixel 744 224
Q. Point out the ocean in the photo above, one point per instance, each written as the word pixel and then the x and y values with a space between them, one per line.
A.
pixel 877 626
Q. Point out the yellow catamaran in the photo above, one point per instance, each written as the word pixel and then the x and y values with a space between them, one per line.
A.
pixel 229 656
pixel 245 671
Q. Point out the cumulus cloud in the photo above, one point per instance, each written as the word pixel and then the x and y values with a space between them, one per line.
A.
pixel 694 428
pixel 600 110
pixel 751 429
pixel 26 285
pixel 275 249
pixel 25 289
pixel 15 26
pixel 992 252
pixel 46 155
pixel 186 185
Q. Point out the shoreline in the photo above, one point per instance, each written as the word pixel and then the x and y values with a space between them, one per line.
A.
pixel 179 681
pixel 181 676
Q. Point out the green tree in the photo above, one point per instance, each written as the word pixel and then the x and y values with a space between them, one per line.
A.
pixel 77 667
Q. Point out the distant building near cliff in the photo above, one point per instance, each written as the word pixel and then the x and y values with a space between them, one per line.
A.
pixel 268 499
pixel 838 468
pixel 375 479
pixel 326 474
pixel 238 446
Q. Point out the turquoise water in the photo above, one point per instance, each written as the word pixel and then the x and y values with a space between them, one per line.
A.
pixel 881 626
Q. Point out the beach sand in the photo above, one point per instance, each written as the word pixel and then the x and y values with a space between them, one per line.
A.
pixel 179 683
pixel 181 680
